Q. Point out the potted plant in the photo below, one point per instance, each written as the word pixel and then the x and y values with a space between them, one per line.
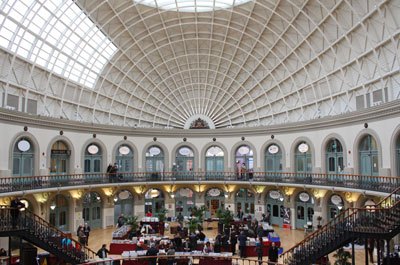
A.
pixel 193 224
pixel 342 257
pixel 225 219
pixel 132 222
pixel 162 215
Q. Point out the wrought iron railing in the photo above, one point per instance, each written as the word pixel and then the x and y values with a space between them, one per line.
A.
pixel 381 221
pixel 39 232
pixel 372 183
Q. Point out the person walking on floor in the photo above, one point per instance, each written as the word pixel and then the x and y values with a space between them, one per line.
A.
pixel 242 244
pixel 260 250
pixel 103 251
pixel 272 254
pixel 86 230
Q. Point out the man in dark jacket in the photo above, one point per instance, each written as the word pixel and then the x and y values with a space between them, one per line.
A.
pixel 102 253
pixel 233 240
pixel 242 244
pixel 152 251
pixel 272 254
pixel 16 205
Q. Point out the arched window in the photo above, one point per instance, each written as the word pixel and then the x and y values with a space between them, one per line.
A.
pixel 214 199
pixel 335 205
pixel 60 154
pixel 123 204
pixel 124 159
pixel 275 207
pixel 92 209
pixel 398 155
pixel 304 209
pixel 23 158
pixel 303 160
pixel 59 212
pixel 273 158
pixel 184 159
pixel 214 161
pixel 93 159
pixel 244 161
pixel 154 159
pixel 334 157
pixel 184 201
pixel 154 201
pixel 244 200
pixel 368 156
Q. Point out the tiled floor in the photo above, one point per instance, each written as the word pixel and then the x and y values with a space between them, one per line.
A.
pixel 288 239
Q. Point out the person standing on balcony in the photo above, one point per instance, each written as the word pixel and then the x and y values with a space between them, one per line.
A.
pixel 237 169
pixel 243 171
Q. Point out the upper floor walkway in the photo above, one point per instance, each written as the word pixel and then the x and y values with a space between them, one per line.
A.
pixel 339 182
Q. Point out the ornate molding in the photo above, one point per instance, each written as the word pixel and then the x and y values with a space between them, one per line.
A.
pixel 390 109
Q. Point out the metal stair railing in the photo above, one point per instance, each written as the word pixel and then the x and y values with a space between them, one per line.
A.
pixel 39 232
pixel 378 221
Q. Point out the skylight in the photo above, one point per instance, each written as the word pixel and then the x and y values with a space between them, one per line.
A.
pixel 56 35
pixel 191 5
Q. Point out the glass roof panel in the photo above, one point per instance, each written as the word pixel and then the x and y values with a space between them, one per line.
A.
pixel 192 5
pixel 59 29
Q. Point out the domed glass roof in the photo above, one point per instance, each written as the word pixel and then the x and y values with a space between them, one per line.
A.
pixel 227 63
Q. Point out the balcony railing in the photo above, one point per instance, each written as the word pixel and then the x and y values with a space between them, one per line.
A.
pixel 371 183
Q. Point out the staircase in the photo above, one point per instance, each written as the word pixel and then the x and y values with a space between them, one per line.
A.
pixel 37 231
pixel 379 222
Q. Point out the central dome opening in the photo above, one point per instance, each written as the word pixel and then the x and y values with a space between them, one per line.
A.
pixel 191 5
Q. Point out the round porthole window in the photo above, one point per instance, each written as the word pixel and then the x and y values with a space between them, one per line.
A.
pixel 93 149
pixel 273 149
pixel 124 150
pixel 24 145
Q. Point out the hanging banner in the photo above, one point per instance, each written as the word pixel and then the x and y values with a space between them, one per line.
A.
pixel 286 217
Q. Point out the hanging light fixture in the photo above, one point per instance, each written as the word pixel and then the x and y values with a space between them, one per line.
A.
pixel 53 206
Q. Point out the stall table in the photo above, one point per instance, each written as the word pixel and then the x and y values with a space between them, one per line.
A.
pixel 250 251
pixel 212 260
pixel 118 248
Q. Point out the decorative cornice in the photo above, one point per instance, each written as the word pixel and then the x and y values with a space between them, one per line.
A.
pixel 384 111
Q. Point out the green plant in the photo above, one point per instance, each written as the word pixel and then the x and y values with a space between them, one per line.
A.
pixel 193 224
pixel 225 216
pixel 132 221
pixel 162 214
pixel 198 212
pixel 342 257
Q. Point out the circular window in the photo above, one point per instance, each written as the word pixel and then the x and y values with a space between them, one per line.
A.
pixel 93 149
pixel 304 197
pixel 336 199
pixel 303 148
pixel 24 145
pixel 274 194
pixel 154 151
pixel 244 150
pixel 123 195
pixel 184 151
pixel 124 150
pixel 214 192
pixel 273 149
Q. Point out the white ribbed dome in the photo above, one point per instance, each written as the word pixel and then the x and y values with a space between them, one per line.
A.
pixel 141 63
